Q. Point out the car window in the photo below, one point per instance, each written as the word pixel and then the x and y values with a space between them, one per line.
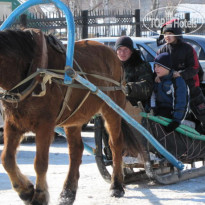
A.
pixel 198 49
pixel 111 44
pixel 106 43
pixel 146 55
pixel 153 46
pixel 202 55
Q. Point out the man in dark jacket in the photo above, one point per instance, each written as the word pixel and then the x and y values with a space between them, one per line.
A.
pixel 185 63
pixel 138 73
pixel 170 97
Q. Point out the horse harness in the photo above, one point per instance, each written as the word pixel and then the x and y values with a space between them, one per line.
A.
pixel 43 76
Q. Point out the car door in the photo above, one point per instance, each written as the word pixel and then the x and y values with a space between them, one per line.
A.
pixel 199 50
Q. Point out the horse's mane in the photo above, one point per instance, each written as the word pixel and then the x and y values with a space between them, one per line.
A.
pixel 17 43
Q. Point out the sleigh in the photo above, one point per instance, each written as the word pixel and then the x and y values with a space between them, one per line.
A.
pixel 48 94
pixel 185 143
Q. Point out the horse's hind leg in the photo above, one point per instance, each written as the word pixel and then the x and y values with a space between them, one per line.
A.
pixel 75 145
pixel 20 183
pixel 113 126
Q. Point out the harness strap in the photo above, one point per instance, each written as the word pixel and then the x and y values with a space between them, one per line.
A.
pixel 48 75
pixel 69 90
pixel 98 76
pixel 101 78
pixel 65 103
pixel 79 106
pixel 67 97
pixel 40 60
pixel 41 72
pixel 79 67
pixel 113 88
pixel 79 86
pixel 41 53
pixel 17 97
pixel 51 74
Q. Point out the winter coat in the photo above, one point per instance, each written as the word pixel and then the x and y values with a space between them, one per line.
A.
pixel 184 59
pixel 139 77
pixel 171 98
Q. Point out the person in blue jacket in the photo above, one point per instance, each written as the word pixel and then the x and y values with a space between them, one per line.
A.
pixel 186 64
pixel 171 98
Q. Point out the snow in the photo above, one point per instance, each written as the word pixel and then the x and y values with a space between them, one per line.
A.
pixel 93 190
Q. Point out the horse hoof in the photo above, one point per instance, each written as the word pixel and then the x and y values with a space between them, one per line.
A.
pixel 40 198
pixel 28 195
pixel 67 197
pixel 66 201
pixel 117 193
pixel 38 203
pixel 117 190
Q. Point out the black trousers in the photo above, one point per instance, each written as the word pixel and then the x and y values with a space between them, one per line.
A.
pixel 197 104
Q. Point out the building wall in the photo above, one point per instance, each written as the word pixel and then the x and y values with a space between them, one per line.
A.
pixel 6 7
pixel 15 3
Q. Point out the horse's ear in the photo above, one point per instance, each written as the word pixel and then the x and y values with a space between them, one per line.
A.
pixel 40 59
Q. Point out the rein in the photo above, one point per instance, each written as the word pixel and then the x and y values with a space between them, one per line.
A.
pixel 43 76
pixel 40 76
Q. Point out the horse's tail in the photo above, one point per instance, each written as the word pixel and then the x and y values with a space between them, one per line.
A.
pixel 134 142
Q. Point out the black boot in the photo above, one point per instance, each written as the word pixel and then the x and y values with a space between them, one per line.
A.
pixel 201 129
pixel 197 105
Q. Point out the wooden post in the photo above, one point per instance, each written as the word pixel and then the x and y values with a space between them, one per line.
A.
pixel 187 19
pixel 23 20
pixel 137 21
pixel 85 24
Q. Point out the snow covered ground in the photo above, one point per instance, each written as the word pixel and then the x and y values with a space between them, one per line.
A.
pixel 93 190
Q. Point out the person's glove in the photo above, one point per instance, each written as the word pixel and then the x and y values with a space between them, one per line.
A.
pixel 147 107
pixel 127 90
pixel 172 126
pixel 155 111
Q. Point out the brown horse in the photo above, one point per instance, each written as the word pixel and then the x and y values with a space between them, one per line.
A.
pixel 21 52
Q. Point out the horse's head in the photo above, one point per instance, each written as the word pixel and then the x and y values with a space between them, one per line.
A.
pixel 16 53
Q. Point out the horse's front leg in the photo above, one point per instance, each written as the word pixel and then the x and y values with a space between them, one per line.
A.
pixel 75 144
pixel 44 137
pixel 20 183
pixel 113 126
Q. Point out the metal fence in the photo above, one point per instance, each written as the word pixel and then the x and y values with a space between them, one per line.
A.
pixel 96 24
pixel 112 23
